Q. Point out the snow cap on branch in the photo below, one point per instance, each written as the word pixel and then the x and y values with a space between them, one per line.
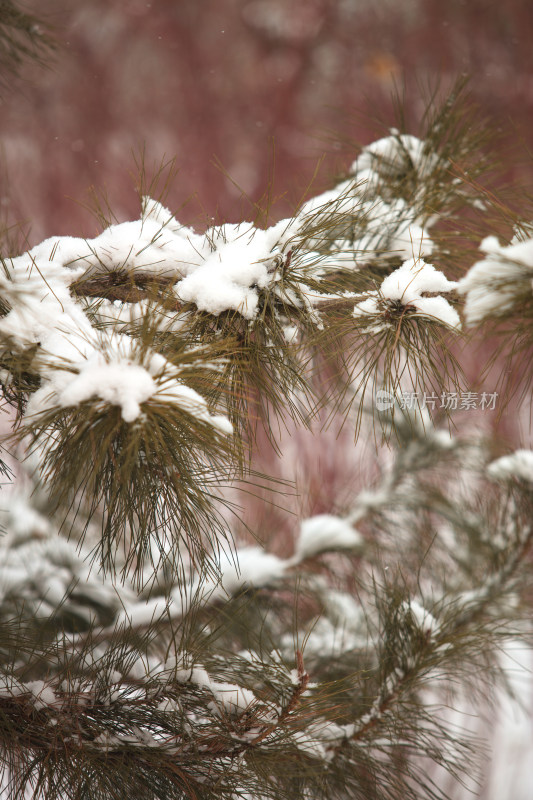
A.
pixel 240 262
pixel 499 281
pixel 393 156
pixel 114 374
pixel 407 286
pixel 516 465
pixel 326 532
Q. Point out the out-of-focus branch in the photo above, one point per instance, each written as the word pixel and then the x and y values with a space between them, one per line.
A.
pixel 23 37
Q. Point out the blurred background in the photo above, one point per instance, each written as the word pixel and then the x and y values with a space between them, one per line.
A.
pixel 249 96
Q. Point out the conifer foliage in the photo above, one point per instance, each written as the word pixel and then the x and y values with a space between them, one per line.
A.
pixel 147 652
pixel 23 37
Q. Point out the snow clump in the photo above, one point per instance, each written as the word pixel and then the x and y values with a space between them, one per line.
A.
pixel 496 283
pixel 326 532
pixel 517 465
pixel 406 287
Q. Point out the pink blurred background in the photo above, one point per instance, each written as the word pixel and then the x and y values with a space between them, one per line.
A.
pixel 260 86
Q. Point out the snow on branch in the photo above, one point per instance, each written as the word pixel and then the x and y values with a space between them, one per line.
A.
pixel 147 646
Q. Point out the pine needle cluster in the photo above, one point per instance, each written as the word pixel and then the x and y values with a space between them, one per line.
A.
pixel 23 37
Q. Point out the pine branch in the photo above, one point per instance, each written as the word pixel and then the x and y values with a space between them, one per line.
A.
pixel 23 37
pixel 140 363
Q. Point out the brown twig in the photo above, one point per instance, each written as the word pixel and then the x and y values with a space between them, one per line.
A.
pixel 124 286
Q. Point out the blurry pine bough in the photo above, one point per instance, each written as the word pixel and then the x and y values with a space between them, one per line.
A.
pixel 145 653
pixel 23 38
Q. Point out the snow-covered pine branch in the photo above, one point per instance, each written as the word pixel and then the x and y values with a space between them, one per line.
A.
pixel 150 648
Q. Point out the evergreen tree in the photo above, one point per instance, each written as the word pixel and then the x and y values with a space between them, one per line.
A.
pixel 148 650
